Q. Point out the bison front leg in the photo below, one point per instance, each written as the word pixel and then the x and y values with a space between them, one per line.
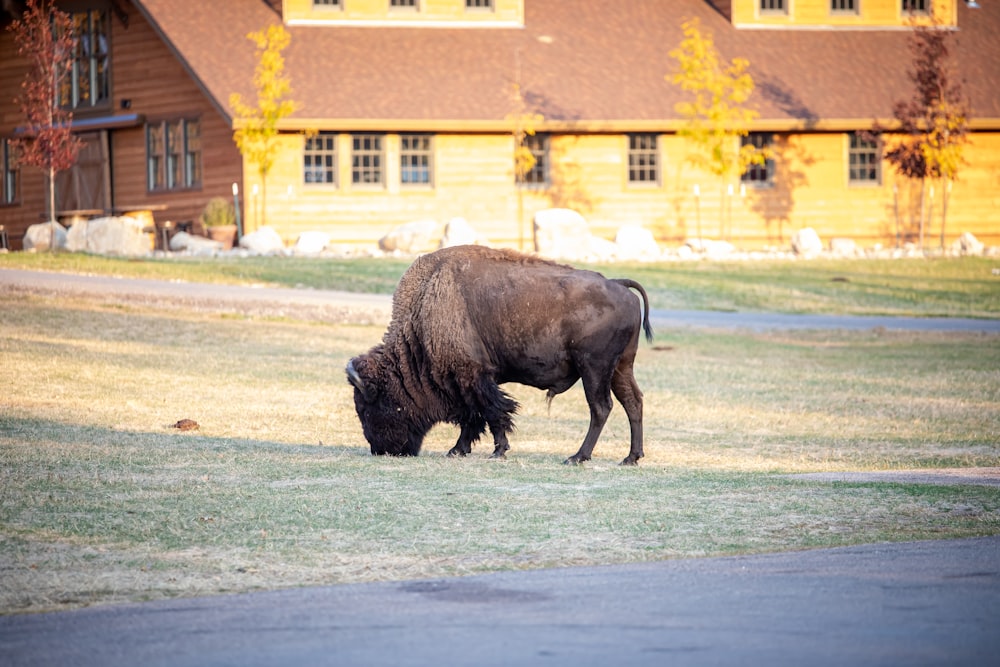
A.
pixel 471 430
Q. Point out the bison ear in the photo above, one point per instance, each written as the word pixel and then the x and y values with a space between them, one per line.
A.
pixel 354 377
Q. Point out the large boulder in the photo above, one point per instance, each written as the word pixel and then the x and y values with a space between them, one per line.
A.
pixel 806 242
pixel 968 244
pixel 311 243
pixel 264 241
pixel 196 245
pixel 39 237
pixel 458 231
pixel 844 247
pixel 121 235
pixel 561 233
pixel 412 238
pixel 635 242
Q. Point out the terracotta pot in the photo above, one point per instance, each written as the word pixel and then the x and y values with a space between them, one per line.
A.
pixel 224 234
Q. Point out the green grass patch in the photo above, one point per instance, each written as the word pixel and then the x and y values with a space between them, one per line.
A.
pixel 941 287
pixel 102 501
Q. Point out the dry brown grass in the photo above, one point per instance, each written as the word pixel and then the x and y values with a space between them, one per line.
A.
pixel 103 501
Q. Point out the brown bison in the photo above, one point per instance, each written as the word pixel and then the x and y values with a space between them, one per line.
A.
pixel 468 319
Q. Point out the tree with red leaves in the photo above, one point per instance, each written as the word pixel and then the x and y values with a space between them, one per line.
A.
pixel 933 123
pixel 44 37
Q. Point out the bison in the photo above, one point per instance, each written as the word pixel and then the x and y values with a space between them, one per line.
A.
pixel 467 319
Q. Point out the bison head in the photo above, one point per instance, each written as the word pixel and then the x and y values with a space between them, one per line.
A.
pixel 383 418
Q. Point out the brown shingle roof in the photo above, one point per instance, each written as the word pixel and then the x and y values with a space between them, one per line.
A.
pixel 581 61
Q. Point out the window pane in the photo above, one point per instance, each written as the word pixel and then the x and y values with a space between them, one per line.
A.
pixel 320 159
pixel 415 159
pixel 366 159
pixel 8 169
pixel 175 148
pixel 154 156
pixel 192 153
pixel 864 161
pixel 642 159
pixel 538 144
pixel 759 174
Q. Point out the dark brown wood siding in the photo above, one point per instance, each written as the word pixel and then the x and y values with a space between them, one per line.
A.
pixel 150 83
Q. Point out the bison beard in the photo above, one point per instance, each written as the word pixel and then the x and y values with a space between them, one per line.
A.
pixel 468 319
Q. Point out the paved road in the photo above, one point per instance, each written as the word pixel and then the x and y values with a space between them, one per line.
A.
pixel 920 603
pixel 330 304
pixel 923 603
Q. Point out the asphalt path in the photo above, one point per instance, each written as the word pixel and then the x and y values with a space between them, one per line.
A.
pixel 919 603
pixel 337 305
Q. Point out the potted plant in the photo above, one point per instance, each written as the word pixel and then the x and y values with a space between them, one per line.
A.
pixel 219 219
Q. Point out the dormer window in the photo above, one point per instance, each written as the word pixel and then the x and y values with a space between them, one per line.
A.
pixel 773 7
pixel 844 6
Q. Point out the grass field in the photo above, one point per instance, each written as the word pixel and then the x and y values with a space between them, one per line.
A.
pixel 102 501
pixel 941 287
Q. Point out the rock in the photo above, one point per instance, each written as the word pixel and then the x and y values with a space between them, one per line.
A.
pixel 196 245
pixel 122 235
pixel 842 247
pixel 635 242
pixel 187 425
pixel 710 248
pixel 459 232
pixel 968 244
pixel 39 237
pixel 412 238
pixel 263 241
pixel 311 243
pixel 807 242
pixel 561 233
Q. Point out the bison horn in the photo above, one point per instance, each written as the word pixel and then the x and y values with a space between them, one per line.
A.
pixel 353 377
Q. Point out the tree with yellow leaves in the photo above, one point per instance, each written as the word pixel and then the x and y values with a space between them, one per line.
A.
pixel 716 116
pixel 933 124
pixel 257 127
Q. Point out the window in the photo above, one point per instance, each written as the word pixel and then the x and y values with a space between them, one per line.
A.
pixel 367 159
pixel 479 4
pixel 415 159
pixel 759 174
pixel 643 162
pixel 327 3
pixel 173 154
pixel 538 144
pixel 8 172
pixel 319 161
pixel 773 7
pixel 844 6
pixel 916 6
pixel 864 161
pixel 88 84
pixel 403 4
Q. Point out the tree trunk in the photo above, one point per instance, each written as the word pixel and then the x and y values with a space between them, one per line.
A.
pixel 945 191
pixel 52 209
pixel 923 209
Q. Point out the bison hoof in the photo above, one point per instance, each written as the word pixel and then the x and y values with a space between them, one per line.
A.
pixel 574 461
pixel 629 461
pixel 454 453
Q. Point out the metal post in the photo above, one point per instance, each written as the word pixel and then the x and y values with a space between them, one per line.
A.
pixel 236 206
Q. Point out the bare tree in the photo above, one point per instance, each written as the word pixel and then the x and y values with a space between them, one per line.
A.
pixel 44 37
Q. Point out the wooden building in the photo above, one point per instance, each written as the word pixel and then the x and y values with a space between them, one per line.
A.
pixel 405 113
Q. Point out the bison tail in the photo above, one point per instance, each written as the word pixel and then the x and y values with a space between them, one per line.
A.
pixel 646 326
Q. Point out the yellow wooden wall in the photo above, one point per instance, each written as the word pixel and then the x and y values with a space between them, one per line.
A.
pixel 804 13
pixel 474 180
